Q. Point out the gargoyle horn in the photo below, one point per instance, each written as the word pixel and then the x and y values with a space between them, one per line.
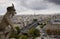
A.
pixel 12 5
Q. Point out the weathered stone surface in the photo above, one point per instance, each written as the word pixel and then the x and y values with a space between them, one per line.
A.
pixel 6 21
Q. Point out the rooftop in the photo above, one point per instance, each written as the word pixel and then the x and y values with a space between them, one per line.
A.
pixel 55 21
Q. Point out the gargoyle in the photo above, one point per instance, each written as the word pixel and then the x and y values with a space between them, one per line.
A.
pixel 6 20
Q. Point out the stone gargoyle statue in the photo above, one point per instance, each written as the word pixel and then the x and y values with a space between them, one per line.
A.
pixel 7 20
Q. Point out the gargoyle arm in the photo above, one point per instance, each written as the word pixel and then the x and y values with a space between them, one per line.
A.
pixel 9 21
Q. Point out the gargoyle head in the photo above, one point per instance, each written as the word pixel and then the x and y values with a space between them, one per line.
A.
pixel 11 9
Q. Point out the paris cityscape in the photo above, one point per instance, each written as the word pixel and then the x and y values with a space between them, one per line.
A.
pixel 29 19
pixel 53 23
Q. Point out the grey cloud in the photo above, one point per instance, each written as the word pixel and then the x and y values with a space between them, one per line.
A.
pixel 34 4
pixel 23 5
pixel 2 8
pixel 55 1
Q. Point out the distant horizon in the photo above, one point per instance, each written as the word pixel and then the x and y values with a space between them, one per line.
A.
pixel 36 14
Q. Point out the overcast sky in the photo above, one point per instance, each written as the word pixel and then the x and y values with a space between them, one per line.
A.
pixel 29 6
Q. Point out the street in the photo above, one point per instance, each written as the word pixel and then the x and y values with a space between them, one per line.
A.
pixel 46 38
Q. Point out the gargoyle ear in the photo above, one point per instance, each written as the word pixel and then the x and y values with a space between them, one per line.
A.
pixel 12 5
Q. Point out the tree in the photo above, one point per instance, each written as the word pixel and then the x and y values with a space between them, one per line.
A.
pixel 34 32
pixel 42 25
